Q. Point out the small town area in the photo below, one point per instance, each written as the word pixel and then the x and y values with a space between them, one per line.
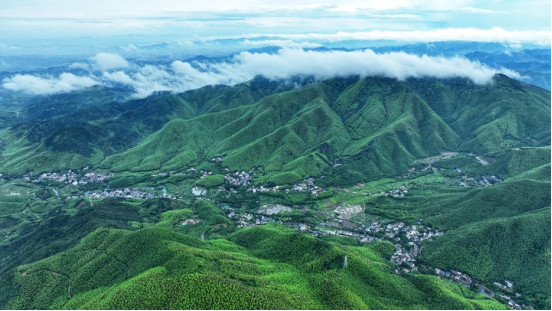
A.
pixel 339 219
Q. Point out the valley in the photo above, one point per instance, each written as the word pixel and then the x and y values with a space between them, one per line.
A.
pixel 371 189
pixel 304 207
pixel 288 155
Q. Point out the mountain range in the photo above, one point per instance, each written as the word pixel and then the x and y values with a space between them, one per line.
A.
pixel 348 134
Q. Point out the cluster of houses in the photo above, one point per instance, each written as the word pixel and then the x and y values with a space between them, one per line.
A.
pixel 127 193
pixel 306 186
pixel 161 174
pixel 485 181
pixel 239 179
pixel 249 220
pixel 173 173
pixel 189 172
pixel 454 275
pixel 508 298
pixel 467 280
pixel 256 189
pixel 401 192
pixel 217 159
pixel 406 254
pixel 405 257
pixel 93 178
pixel 362 237
pixel 413 233
pixel 511 302
pixel 69 177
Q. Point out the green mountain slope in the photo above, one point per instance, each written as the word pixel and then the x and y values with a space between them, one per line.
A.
pixel 502 232
pixel 489 118
pixel 86 133
pixel 494 233
pixel 172 271
pixel 513 248
pixel 375 127
pixel 357 137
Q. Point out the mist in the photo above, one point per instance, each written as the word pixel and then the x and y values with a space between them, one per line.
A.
pixel 112 69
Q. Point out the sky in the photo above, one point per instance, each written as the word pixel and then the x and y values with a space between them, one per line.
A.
pixel 106 42
pixel 24 21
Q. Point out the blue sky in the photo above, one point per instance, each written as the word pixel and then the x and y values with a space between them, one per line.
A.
pixel 305 21
pixel 144 44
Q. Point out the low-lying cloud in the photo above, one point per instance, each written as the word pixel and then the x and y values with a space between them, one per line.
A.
pixel 287 62
pixel 108 61
pixel 47 85
pixel 281 43
pixel 495 34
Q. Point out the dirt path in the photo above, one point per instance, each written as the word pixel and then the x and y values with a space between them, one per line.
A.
pixel 483 162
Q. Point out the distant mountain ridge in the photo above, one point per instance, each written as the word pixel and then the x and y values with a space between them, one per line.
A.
pixel 373 126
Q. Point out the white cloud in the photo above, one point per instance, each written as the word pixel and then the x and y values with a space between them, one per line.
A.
pixel 66 82
pixel 119 77
pixel 81 65
pixel 399 65
pixel 479 10
pixel 129 47
pixel 287 62
pixel 185 43
pixel 182 76
pixel 103 9
pixel 11 47
pixel 56 19
pixel 495 34
pixel 108 61
pixel 403 16
pixel 281 43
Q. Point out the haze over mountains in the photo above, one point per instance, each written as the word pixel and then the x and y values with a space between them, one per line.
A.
pixel 444 59
pixel 275 155
pixel 341 118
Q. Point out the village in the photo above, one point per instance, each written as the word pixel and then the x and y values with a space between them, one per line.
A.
pixel 404 256
pixel 134 193
pixel 69 177
pixel 467 280
pixel 407 239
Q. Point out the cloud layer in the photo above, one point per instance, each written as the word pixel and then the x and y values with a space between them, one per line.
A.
pixel 35 85
pixel 112 69
pixel 495 34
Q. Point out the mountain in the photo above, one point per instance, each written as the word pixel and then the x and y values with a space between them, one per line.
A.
pixel 293 133
pixel 170 271
pixel 532 64
pixel 189 201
